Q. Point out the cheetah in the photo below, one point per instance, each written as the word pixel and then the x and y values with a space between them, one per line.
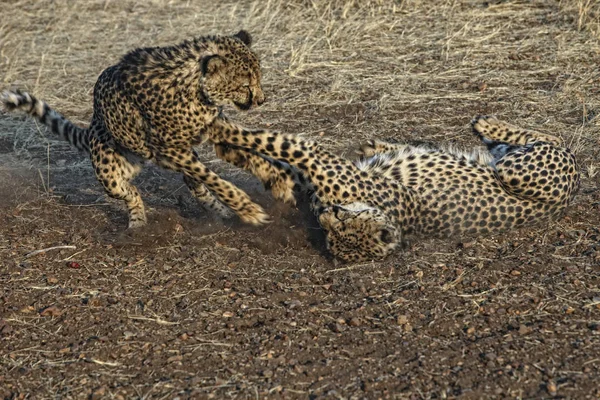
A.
pixel 156 104
pixel 368 207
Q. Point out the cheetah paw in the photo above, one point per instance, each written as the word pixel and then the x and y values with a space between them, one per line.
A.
pixel 138 223
pixel 254 214
pixel 371 147
pixel 282 191
pixel 482 124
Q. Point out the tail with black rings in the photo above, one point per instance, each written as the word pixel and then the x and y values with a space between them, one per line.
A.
pixel 59 125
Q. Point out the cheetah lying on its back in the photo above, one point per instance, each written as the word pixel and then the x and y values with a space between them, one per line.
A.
pixel 367 207
pixel 155 104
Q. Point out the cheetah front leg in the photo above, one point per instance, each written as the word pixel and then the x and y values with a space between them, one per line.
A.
pixel 490 129
pixel 197 174
pixel 206 198
pixel 327 172
pixel 279 178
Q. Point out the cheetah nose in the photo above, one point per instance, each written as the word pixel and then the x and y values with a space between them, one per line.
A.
pixel 259 97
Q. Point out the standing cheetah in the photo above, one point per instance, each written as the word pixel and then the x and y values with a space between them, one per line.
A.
pixel 367 207
pixel 156 104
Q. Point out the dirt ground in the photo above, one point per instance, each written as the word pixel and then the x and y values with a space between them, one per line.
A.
pixel 194 307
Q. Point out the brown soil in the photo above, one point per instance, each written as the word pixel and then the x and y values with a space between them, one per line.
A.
pixel 194 307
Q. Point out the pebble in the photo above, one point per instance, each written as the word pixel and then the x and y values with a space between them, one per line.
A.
pixel 354 321
pixel 267 373
pixel 52 280
pixel 128 334
pixel 551 386
pixel 175 358
pixel 98 393
pixel 524 330
pixel 51 311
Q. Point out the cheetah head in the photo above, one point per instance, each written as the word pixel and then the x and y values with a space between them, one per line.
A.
pixel 358 232
pixel 231 74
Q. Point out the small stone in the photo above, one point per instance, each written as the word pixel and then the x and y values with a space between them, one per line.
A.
pixel 267 373
pixel 402 320
pixel 551 387
pixel 471 330
pixel 524 330
pixel 98 393
pixel 52 280
pixel 128 335
pixel 111 300
pixel 73 264
pixel 51 311
pixel 5 328
pixel 354 321
pixel 227 314
pixel 184 336
pixel 515 272
pixel 175 358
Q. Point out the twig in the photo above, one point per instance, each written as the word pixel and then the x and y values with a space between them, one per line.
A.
pixel 107 363
pixel 36 252
pixel 157 320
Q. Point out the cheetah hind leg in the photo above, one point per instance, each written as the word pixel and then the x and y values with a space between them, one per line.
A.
pixel 494 132
pixel 114 171
pixel 531 165
pixel 280 178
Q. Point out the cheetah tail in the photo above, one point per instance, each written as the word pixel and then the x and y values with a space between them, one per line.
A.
pixel 23 101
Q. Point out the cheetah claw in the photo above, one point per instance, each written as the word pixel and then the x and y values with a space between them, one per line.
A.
pixel 482 123
pixel 255 215
pixel 368 149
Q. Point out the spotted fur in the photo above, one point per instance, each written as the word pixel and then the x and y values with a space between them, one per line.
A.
pixel 367 207
pixel 156 104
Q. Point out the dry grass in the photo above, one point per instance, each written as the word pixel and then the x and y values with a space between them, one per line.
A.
pixel 353 69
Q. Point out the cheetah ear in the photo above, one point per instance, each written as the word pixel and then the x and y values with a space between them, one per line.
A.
pixel 245 37
pixel 211 64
